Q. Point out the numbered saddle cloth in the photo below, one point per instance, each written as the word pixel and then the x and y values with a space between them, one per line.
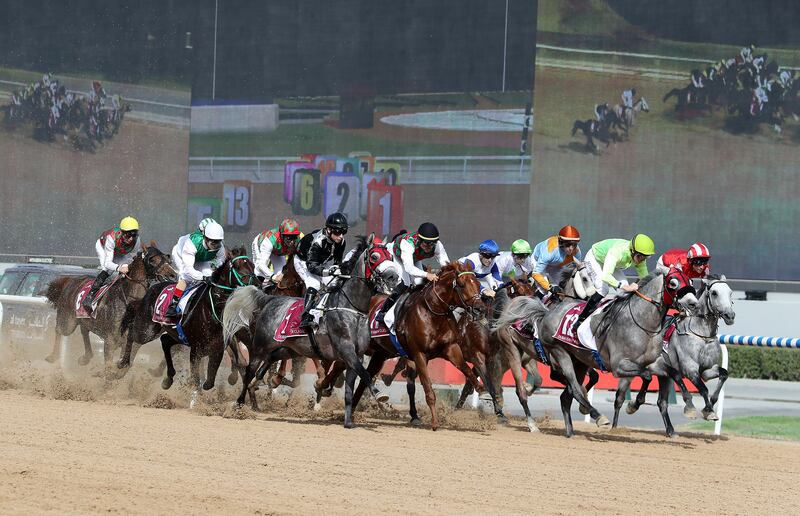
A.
pixel 165 298
pixel 565 332
pixel 80 312
pixel 289 326
pixel 376 329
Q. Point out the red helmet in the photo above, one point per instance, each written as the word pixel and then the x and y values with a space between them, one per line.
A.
pixel 698 250
pixel 569 233
pixel 289 227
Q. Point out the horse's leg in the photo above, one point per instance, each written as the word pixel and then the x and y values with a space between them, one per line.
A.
pixel 641 396
pixel 722 376
pixel 324 386
pixel 664 385
pixel 398 366
pixel 298 368
pixel 689 411
pixel 515 363
pixel 350 381
pixel 125 355
pixel 466 392
pixel 708 410
pixel 87 347
pixel 376 362
pixel 247 378
pixel 593 379
pixel 214 360
pixel 622 387
pixel 348 354
pixel 277 378
pixel 570 371
pixel 430 397
pixel 411 391
pixel 166 345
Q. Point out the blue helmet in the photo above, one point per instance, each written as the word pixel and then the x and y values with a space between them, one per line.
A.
pixel 489 247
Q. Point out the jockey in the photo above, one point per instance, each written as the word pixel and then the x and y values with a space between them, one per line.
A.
pixel 195 256
pixel 271 246
pixel 693 263
pixel 786 77
pixel 747 53
pixel 627 98
pixel 116 249
pixel 607 259
pixel 518 262
pixel 697 79
pixel 314 251
pixel 554 253
pixel 485 266
pixel 410 249
pixel 600 112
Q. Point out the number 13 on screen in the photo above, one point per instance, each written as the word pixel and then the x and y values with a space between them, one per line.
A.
pixel 384 208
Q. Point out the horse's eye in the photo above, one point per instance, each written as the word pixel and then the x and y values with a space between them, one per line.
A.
pixel 713 293
pixel 674 283
pixel 375 257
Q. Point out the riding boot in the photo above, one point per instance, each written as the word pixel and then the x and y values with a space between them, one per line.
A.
pixel 590 306
pixel 99 280
pixel 307 320
pixel 390 301
pixel 172 309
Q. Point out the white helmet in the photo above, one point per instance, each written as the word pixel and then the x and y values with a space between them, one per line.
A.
pixel 213 231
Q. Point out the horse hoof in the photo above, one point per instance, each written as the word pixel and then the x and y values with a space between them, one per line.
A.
pixel 317 407
pixel 672 434
pixel 583 410
pixel 50 358
pixel 530 389
pixel 710 415
pixel 690 413
pixel 233 378
pixel 503 420
pixel 382 397
pixel 416 422
pixel 603 421
pixel 387 379
pixel 85 359
pixel 166 383
pixel 630 408
pixel 348 424
pixel 123 364
pixel 207 386
pixel 532 428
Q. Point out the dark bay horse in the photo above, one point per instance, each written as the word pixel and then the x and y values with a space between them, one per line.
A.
pixel 201 323
pixel 149 265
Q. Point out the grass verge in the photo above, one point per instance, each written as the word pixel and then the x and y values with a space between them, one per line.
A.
pixel 785 428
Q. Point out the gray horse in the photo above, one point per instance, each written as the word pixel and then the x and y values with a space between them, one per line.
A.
pixel 693 352
pixel 343 328
pixel 623 330
pixel 512 350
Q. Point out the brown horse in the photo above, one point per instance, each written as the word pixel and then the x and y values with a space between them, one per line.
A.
pixel 149 265
pixel 201 324
pixel 427 328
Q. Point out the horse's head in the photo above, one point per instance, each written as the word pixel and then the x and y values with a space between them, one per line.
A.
pixel 379 267
pixel 157 264
pixel 678 291
pixel 718 298
pixel 462 286
pixel 238 270
pixel 643 106
pixel 575 280
pixel 516 288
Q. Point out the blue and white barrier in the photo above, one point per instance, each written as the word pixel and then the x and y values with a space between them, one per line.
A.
pixel 769 342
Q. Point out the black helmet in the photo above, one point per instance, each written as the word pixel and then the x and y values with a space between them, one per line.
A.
pixel 427 231
pixel 336 221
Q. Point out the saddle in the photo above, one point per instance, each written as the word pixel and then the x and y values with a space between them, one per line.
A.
pixel 80 312
pixel 164 299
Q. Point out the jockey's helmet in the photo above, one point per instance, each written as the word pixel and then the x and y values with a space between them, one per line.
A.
pixel 489 248
pixel 428 231
pixel 289 227
pixel 569 233
pixel 337 221
pixel 213 231
pixel 521 247
pixel 698 252
pixel 129 224
pixel 205 222
pixel 643 244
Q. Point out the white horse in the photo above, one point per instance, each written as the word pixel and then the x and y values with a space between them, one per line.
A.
pixel 628 115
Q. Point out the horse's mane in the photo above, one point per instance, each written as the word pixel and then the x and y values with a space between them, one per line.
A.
pixel 455 267
pixel 566 273
pixel 704 286
pixel 647 279
pixel 361 244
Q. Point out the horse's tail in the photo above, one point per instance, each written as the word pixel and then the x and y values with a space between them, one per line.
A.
pixel 522 307
pixel 56 289
pixel 670 93
pixel 239 310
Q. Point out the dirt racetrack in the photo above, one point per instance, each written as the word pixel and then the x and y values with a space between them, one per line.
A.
pixel 86 446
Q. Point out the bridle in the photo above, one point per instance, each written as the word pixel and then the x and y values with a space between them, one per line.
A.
pixel 233 275
pixel 431 287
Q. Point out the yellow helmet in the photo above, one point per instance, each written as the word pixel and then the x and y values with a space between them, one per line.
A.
pixel 643 244
pixel 129 224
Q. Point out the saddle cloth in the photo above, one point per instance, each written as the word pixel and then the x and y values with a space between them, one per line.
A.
pixel 288 328
pixel 165 298
pixel 377 329
pixel 80 312
pixel 567 335
pixel 525 331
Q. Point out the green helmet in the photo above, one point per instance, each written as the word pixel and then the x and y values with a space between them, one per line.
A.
pixel 643 244
pixel 521 247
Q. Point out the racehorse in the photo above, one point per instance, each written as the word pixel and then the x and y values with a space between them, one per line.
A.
pixel 343 329
pixel 627 116
pixel 623 331
pixel 200 323
pixel 149 265
pixel 688 97
pixel 592 129
pixel 692 352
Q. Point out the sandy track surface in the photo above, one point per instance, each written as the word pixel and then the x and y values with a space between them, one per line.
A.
pixel 114 453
